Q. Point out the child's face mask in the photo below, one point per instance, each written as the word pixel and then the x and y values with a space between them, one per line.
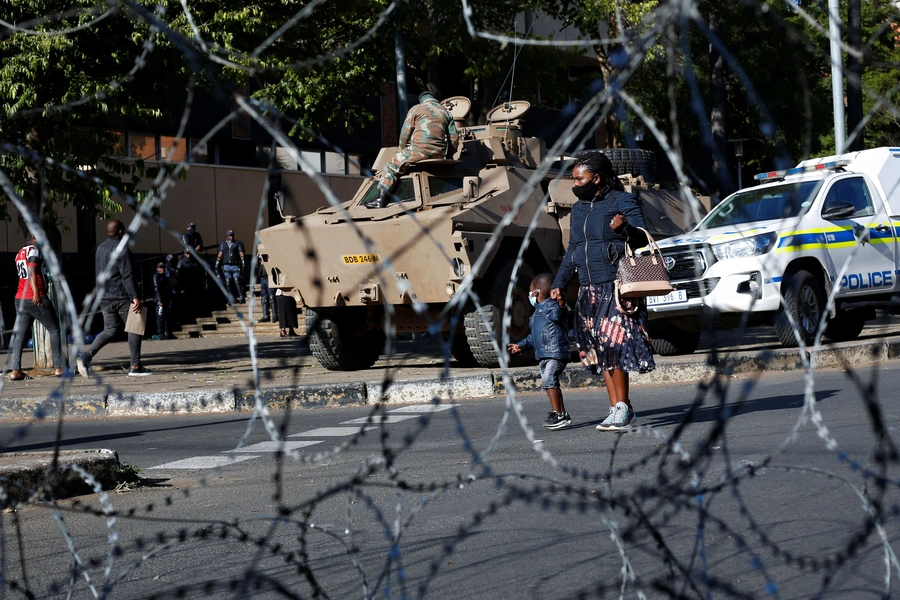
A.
pixel 533 298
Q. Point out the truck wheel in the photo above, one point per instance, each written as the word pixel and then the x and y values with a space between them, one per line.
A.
pixel 634 161
pixel 846 325
pixel 484 325
pixel 804 301
pixel 671 341
pixel 334 345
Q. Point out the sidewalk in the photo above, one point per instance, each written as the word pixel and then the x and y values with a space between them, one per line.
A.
pixel 215 375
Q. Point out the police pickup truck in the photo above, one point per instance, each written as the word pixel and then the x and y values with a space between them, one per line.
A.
pixel 775 253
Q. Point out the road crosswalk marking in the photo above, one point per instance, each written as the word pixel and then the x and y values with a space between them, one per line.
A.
pixel 423 408
pixel 387 419
pixel 232 456
pixel 331 432
pixel 204 462
pixel 271 446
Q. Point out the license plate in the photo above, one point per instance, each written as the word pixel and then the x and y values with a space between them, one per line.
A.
pixel 361 259
pixel 672 297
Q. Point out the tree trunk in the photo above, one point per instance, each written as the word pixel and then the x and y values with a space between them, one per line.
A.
pixel 717 113
pixel 608 131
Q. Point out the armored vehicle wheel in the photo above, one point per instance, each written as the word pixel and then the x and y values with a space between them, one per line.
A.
pixel 339 345
pixel 460 350
pixel 634 161
pixel 846 325
pixel 671 341
pixel 804 301
pixel 485 323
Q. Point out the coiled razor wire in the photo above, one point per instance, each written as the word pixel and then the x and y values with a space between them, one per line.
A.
pixel 675 479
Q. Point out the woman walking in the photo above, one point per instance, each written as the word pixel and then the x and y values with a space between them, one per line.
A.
pixel 610 342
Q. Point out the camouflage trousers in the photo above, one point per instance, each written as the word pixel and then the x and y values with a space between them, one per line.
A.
pixel 397 165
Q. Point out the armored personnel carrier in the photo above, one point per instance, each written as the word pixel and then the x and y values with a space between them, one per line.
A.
pixel 345 264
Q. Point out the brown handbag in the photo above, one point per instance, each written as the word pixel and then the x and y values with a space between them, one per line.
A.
pixel 642 276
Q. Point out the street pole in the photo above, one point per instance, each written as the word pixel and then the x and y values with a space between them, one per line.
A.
pixel 837 76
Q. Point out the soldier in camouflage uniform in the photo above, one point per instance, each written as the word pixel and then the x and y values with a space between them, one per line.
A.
pixel 428 132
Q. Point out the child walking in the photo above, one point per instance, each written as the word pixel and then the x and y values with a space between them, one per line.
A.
pixel 551 346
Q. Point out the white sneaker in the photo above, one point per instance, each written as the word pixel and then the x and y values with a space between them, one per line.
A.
pixel 84 367
pixel 604 426
pixel 624 418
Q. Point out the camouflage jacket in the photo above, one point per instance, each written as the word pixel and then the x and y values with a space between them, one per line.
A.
pixel 429 129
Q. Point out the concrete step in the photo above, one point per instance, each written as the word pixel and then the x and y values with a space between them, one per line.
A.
pixel 231 331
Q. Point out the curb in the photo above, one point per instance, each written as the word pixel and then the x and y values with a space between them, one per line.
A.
pixel 486 385
pixel 27 476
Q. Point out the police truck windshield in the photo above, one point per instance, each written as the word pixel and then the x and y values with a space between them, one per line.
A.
pixel 763 204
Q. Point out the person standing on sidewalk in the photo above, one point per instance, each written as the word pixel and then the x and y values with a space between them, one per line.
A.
pixel 610 343
pixel 266 296
pixel 31 304
pixel 230 261
pixel 119 297
pixel 162 293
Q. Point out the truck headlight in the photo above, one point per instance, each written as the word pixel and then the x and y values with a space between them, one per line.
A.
pixel 749 246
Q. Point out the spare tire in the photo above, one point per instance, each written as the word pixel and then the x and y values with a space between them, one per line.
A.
pixel 631 161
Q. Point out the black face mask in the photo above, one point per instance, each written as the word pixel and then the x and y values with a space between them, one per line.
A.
pixel 587 191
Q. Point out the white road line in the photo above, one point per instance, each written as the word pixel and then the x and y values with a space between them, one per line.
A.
pixel 380 419
pixel 271 446
pixel 204 462
pixel 331 432
pixel 423 408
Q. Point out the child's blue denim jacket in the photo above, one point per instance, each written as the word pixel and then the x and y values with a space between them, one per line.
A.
pixel 548 332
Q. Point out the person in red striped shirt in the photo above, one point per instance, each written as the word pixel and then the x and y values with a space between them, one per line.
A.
pixel 31 304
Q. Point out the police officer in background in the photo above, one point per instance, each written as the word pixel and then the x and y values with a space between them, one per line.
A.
pixel 230 262
pixel 192 239
pixel 188 283
pixel 428 132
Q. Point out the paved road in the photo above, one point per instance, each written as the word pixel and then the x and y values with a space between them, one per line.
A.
pixel 216 374
pixel 423 513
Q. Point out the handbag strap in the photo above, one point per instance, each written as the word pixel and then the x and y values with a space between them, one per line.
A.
pixel 651 243
pixel 619 306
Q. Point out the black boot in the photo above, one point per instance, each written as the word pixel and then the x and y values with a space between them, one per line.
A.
pixel 381 201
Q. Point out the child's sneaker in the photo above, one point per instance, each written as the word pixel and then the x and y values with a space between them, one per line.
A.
pixel 556 420
pixel 623 419
pixel 604 425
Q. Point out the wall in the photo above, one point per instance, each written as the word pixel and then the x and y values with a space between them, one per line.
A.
pixel 12 238
pixel 218 198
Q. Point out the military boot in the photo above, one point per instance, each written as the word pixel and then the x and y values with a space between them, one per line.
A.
pixel 381 201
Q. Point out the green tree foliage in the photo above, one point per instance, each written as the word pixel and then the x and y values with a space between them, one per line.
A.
pixel 62 68
pixel 615 26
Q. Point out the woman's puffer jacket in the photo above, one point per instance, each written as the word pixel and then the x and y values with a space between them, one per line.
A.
pixel 594 248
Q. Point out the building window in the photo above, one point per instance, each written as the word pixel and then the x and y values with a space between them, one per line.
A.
pixel 172 149
pixel 116 139
pixel 311 161
pixel 285 159
pixel 199 154
pixel 354 164
pixel 335 163
pixel 142 145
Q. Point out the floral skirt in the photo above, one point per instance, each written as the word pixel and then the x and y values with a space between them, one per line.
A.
pixel 607 339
